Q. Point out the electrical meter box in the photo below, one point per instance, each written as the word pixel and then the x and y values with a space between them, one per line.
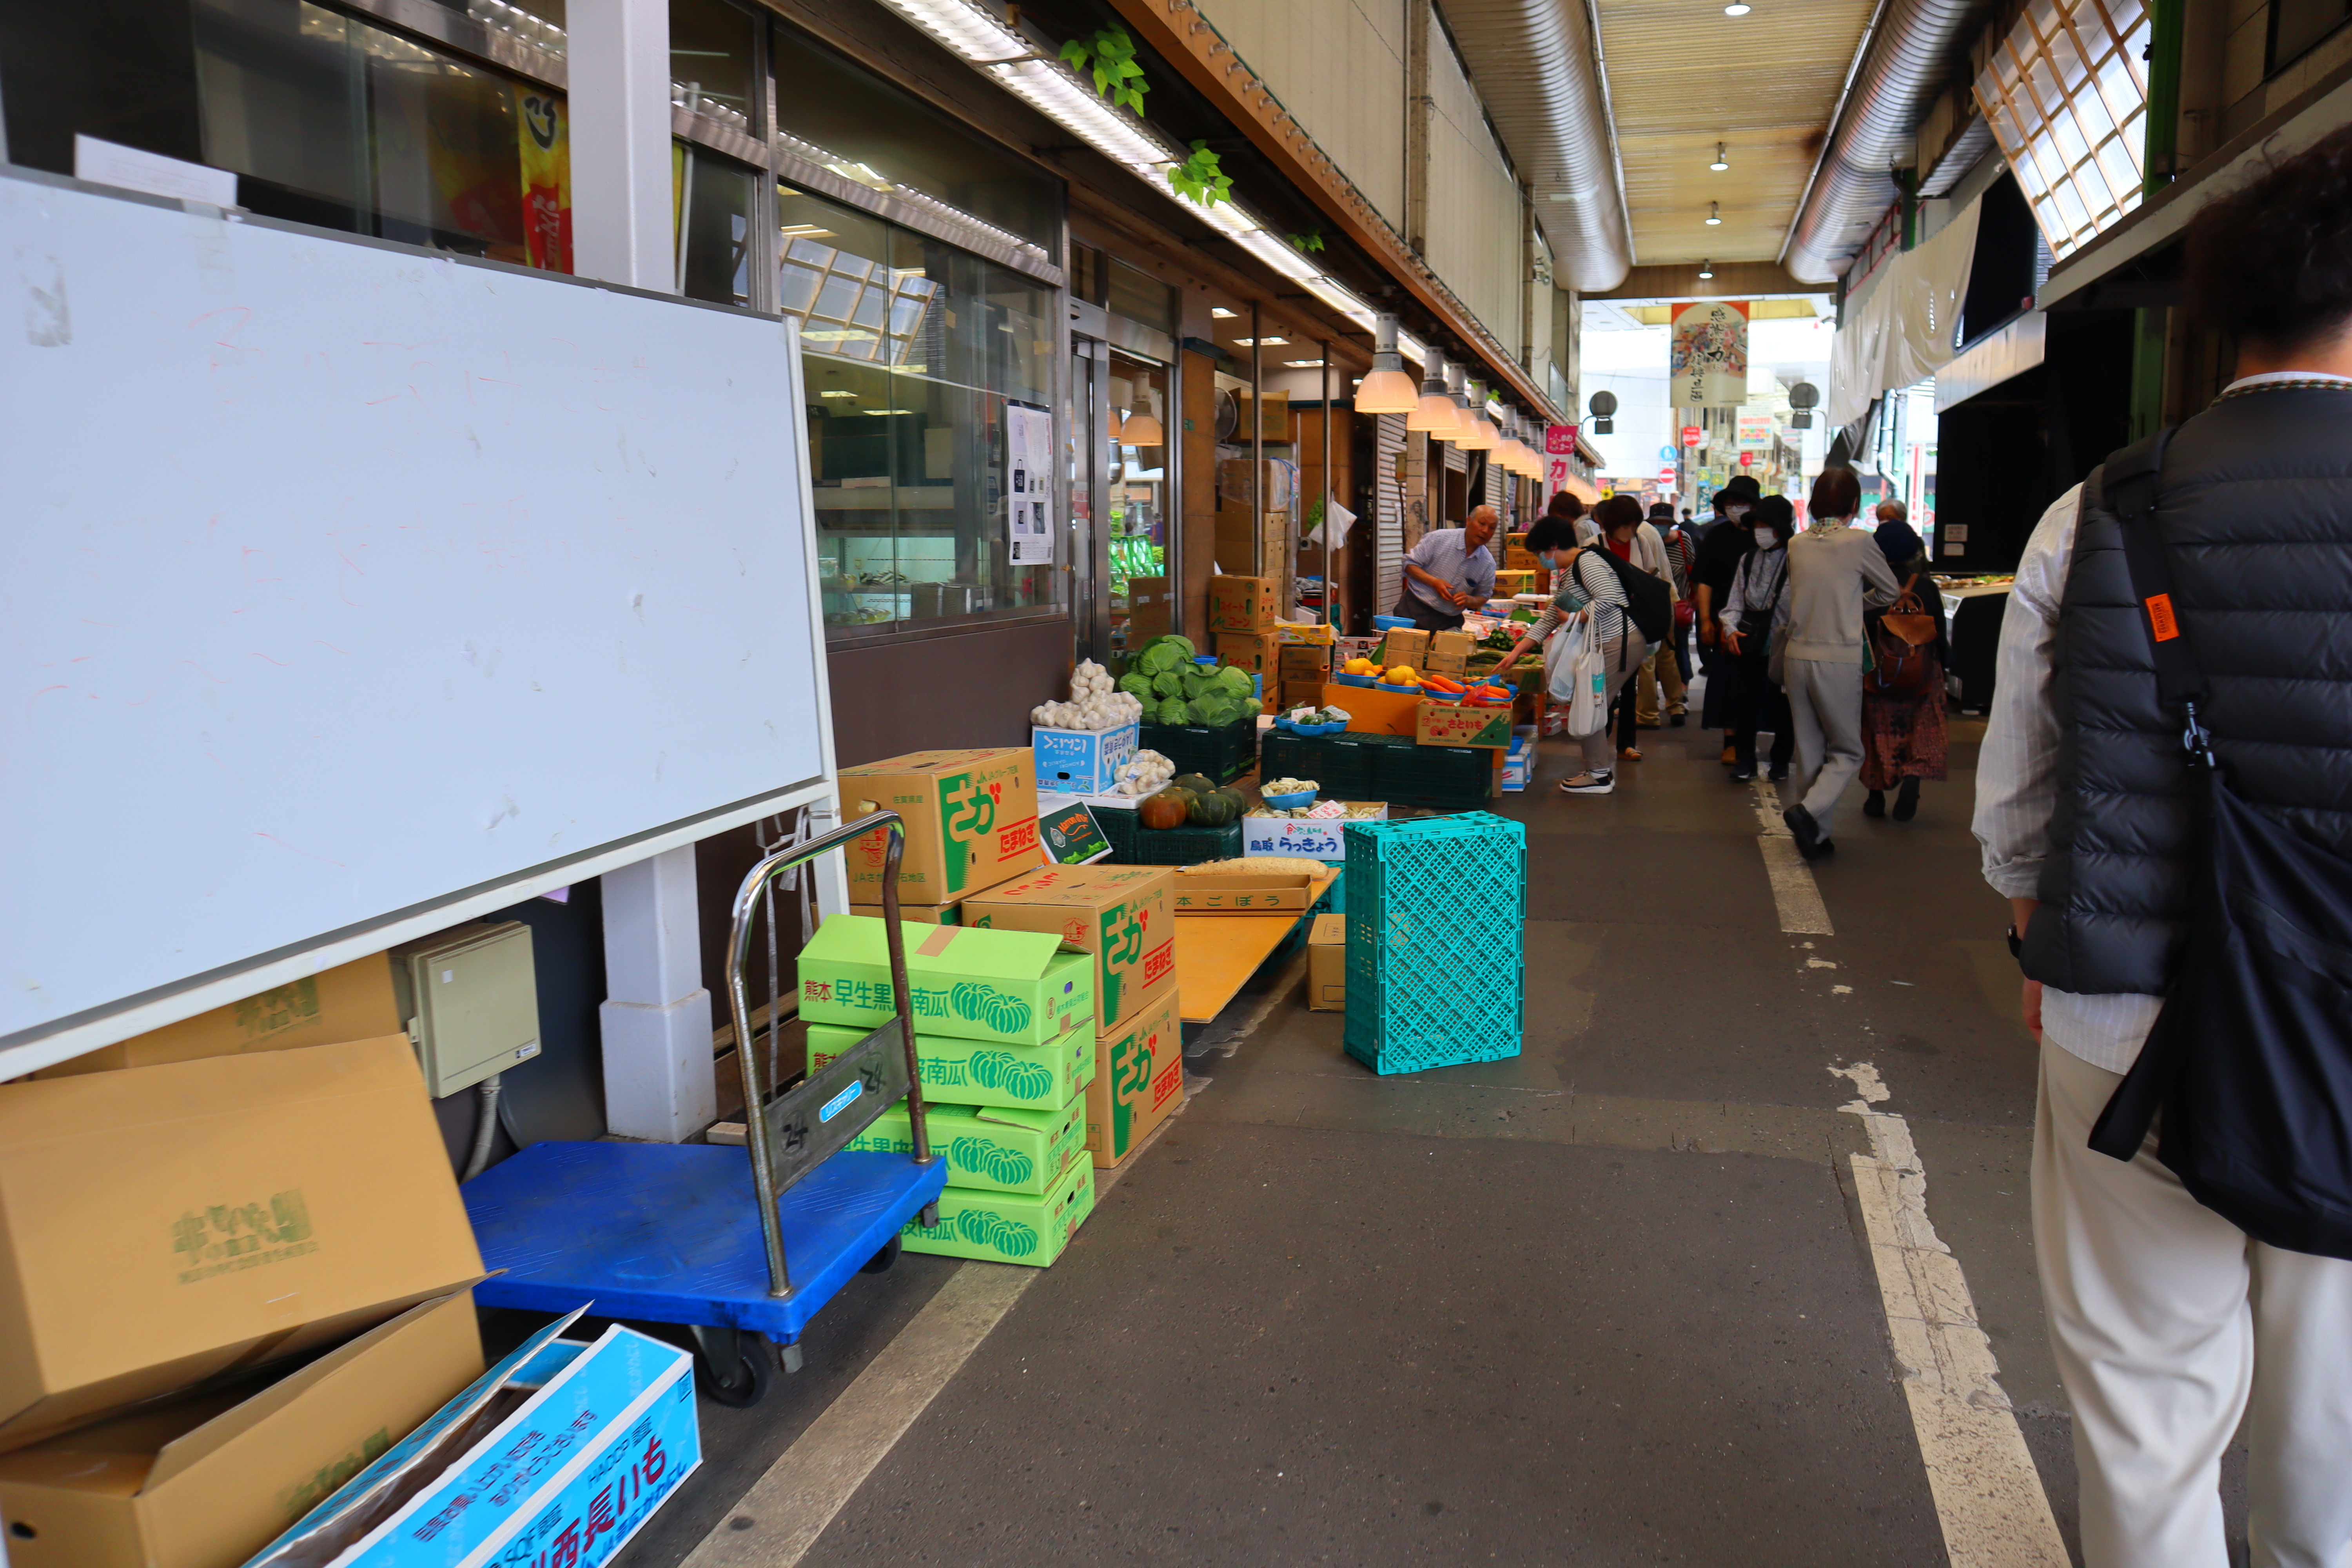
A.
pixel 470 999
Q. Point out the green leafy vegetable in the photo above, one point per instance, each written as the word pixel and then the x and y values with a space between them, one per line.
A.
pixel 1237 682
pixel 1172 711
pixel 1134 683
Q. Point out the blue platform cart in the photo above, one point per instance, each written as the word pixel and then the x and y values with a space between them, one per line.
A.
pixel 735 1248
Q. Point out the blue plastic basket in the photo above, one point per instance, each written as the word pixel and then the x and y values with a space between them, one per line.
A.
pixel 1295 800
pixel 1355 680
pixel 1390 623
pixel 1310 731
pixel 1428 984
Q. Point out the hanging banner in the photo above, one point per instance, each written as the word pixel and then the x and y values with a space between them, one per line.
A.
pixel 1559 440
pixel 546 147
pixel 1560 457
pixel 1029 465
pixel 1756 429
pixel 1708 354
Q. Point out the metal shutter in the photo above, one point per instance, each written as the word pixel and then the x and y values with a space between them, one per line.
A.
pixel 1388 495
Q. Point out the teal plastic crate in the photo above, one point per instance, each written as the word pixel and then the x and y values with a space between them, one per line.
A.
pixel 1436 971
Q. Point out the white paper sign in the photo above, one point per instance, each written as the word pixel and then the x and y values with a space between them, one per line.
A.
pixel 133 169
pixel 1029 500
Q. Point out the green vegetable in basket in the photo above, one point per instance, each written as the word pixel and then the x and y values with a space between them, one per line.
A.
pixel 1214 708
pixel 1171 710
pixel 1134 683
pixel 1198 684
pixel 1198 783
pixel 1168 683
pixel 1215 809
pixel 1237 682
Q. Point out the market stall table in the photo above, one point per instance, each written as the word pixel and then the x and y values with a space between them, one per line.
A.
pixel 1216 954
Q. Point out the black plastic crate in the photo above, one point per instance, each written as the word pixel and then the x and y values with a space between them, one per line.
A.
pixel 1117 824
pixel 1182 846
pixel 1435 778
pixel 1341 765
pixel 1222 752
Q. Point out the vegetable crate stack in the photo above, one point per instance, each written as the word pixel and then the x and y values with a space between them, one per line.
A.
pixel 1191 820
pixel 1204 719
pixel 1004 1034
pixel 1434 980
pixel 1082 744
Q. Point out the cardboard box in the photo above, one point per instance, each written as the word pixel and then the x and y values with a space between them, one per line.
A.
pixel 1318 633
pixel 1150 611
pixel 1449 653
pixel 1304 662
pixel 1080 762
pixel 1014 986
pixel 1301 694
pixel 1376 710
pixel 162 1224
pixel 1446 724
pixel 605 1435
pixel 1404 645
pixel 916 914
pixel 1003 1148
pixel 970 820
pixel 1310 837
pixel 1251 651
pixel 207 1482
pixel 350 1002
pixel 1326 964
pixel 1345 648
pixel 1241 892
pixel 1240 603
pixel 1121 914
pixel 1518 764
pixel 1139 1081
pixel 1526 580
pixel 1007 1227
pixel 1044 1077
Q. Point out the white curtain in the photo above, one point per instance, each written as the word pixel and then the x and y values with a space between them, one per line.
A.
pixel 1903 330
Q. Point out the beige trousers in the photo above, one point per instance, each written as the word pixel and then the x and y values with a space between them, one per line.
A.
pixel 2169 1326
pixel 1659 670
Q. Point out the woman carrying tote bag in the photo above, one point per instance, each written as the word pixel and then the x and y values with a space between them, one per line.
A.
pixel 1585 592
pixel 1904 735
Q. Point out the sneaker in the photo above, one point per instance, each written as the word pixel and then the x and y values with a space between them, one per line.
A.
pixel 1780 774
pixel 1807 832
pixel 1743 775
pixel 1678 720
pixel 1588 784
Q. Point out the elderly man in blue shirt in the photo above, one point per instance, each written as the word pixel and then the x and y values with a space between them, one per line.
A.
pixel 1450 570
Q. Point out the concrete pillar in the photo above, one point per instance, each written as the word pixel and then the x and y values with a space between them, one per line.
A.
pixel 659 1084
pixel 617 56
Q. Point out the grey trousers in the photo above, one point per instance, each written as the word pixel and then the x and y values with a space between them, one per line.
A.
pixel 1826 701
pixel 1601 747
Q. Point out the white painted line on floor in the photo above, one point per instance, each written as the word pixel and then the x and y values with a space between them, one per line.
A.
pixel 1989 1497
pixel 1794 893
pixel 811 1482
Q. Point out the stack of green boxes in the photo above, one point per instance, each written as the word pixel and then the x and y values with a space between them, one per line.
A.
pixel 1004 1029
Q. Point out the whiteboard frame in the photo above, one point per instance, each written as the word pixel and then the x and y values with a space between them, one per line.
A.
pixel 94 1028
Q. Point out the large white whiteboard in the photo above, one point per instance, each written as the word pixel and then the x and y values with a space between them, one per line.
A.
pixel 338 579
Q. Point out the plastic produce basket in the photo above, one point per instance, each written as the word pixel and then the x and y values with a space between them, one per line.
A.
pixel 1433 978
pixel 1435 778
pixel 1223 752
pixel 1118 827
pixel 1340 763
pixel 1182 846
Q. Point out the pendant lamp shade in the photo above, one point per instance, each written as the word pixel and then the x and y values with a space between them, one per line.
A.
pixel 1142 430
pixel 1454 430
pixel 1434 410
pixel 1388 389
pixel 1477 431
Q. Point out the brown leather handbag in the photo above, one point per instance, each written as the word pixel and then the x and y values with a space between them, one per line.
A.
pixel 1902 646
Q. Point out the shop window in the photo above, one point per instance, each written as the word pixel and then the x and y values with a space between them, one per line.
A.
pixel 1136 295
pixel 539 23
pixel 2297 24
pixel 1136 518
pixel 2066 96
pixel 710 61
pixel 712 225
pixel 837 115
pixel 916 356
pixel 121 70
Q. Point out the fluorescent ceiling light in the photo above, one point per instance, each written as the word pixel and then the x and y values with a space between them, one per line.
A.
pixel 1302 363
pixel 970 32
pixel 1221 313
pixel 1277 252
pixel 1270 342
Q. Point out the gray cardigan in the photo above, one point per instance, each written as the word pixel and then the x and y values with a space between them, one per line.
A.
pixel 1834 570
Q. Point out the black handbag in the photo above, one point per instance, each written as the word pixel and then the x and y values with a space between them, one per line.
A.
pixel 1755 625
pixel 2250 1062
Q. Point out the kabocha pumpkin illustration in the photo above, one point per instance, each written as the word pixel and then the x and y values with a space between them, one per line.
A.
pixel 986 1227
pixel 1001 1070
pixel 1005 1167
pixel 985 1004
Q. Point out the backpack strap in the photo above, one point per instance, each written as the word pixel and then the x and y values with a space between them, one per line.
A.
pixel 2128 482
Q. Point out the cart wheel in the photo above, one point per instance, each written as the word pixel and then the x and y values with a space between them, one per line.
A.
pixel 745 1385
pixel 882 1259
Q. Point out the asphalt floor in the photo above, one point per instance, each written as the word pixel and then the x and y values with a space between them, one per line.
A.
pixel 1607 1302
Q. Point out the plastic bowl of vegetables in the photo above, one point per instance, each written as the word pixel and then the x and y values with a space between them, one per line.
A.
pixel 1290 795
pixel 1311 721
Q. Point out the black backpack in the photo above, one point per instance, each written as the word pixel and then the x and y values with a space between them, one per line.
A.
pixel 1649 601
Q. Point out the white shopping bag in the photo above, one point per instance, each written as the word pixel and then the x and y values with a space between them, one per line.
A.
pixel 1579 679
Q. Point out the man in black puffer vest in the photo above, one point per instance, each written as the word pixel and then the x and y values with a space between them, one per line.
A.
pixel 2169 1323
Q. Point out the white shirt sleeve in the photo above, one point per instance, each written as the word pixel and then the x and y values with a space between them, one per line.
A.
pixel 1729 618
pixel 2017 769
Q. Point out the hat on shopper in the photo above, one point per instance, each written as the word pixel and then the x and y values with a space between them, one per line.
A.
pixel 1743 486
pixel 1659 509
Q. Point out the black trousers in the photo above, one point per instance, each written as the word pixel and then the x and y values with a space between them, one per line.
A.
pixel 1424 615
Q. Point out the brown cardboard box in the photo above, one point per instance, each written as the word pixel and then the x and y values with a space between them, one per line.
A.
pixel 162 1224
pixel 916 914
pixel 1148 610
pixel 1376 710
pixel 1250 651
pixel 350 1002
pixel 1138 1080
pixel 1462 724
pixel 1326 964
pixel 1307 693
pixel 1240 603
pixel 1119 913
pixel 1449 653
pixel 1242 892
pixel 1406 645
pixel 1304 662
pixel 207 1482
pixel 970 818
pixel 1515 582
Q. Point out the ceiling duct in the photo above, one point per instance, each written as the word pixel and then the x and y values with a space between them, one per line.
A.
pixel 1903 62
pixel 1537 66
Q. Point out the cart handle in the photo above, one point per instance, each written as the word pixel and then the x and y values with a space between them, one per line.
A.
pixel 738 943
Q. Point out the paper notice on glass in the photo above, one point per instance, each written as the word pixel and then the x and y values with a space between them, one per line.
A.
pixel 1029 460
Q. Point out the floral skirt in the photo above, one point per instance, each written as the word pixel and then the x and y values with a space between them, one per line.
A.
pixel 1903 737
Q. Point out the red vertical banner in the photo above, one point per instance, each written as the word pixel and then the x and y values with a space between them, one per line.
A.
pixel 546 145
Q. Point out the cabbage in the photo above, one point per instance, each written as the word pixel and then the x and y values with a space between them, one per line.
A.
pixel 1168 683
pixel 1135 684
pixel 1237 682
pixel 1172 711
pixel 1183 646
pixel 1198 683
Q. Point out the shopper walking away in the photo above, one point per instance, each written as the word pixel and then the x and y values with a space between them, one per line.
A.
pixel 1589 593
pixel 1665 681
pixel 2171 1324
pixel 1682 560
pixel 1450 570
pixel 1719 552
pixel 1740 690
pixel 1905 737
pixel 1836 572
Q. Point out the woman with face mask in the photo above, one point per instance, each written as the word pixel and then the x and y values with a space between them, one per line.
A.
pixel 1728 539
pixel 1584 588
pixel 1739 687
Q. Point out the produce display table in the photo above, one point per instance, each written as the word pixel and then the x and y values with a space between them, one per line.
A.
pixel 1216 954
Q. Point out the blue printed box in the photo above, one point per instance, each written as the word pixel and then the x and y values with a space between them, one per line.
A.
pixel 563 1482
pixel 1081 761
